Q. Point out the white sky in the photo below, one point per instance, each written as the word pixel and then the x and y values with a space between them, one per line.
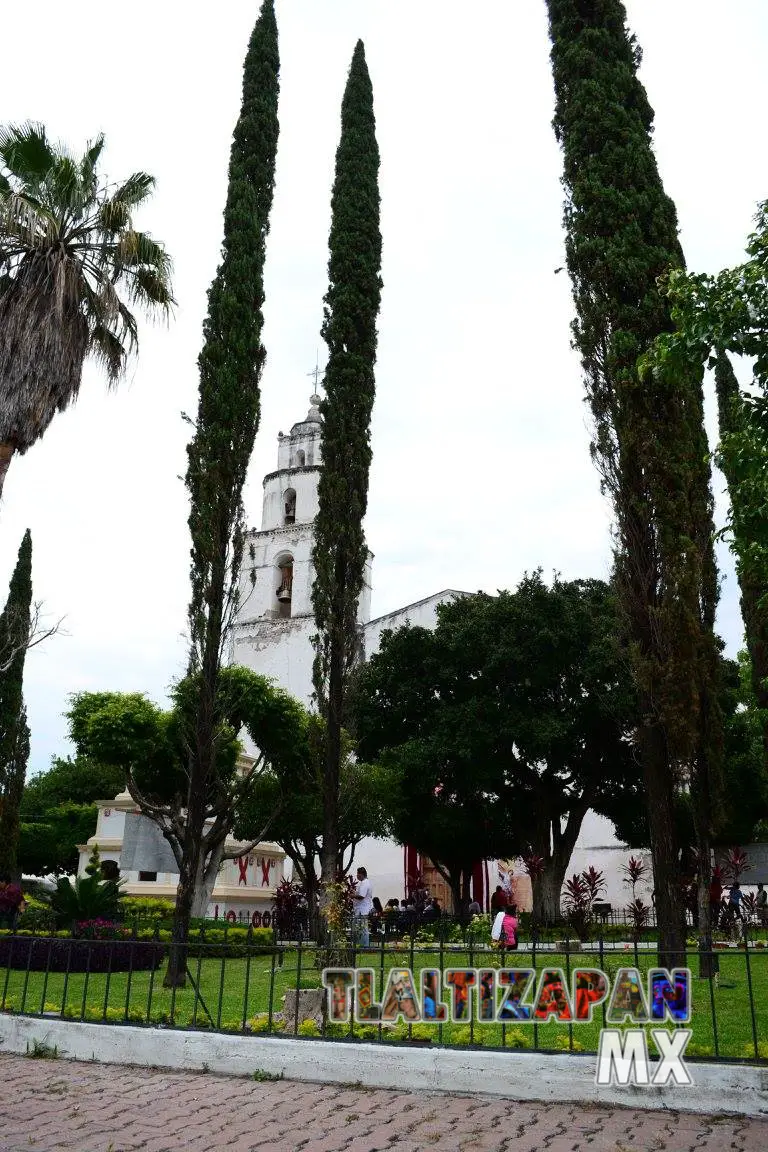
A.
pixel 480 437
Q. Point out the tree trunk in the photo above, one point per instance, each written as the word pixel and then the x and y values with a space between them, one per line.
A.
pixel 659 789
pixel 10 799
pixel 7 450
pixel 176 972
pixel 205 882
pixel 555 847
pixel 330 848
pixel 546 894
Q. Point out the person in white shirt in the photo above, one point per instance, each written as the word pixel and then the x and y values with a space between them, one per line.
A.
pixel 363 903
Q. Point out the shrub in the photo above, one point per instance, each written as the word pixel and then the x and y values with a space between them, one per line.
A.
pixel 461 1036
pixel 565 1044
pixel 150 908
pixel 61 955
pixel 308 1028
pixel 516 1038
pixel 259 1023
pixel 85 898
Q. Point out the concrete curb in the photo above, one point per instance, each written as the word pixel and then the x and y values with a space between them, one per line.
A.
pixel 516 1075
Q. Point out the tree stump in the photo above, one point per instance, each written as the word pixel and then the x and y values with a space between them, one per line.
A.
pixel 300 1004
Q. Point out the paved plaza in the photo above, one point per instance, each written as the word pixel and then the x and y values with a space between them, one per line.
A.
pixel 52 1105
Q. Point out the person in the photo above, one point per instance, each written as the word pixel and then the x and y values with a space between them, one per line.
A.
pixel 376 917
pixel 12 902
pixel 735 897
pixel 474 908
pixel 504 930
pixel 362 904
pixel 715 898
pixel 498 900
pixel 762 904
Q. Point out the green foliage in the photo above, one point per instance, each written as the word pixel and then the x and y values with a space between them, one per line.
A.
pixel 76 781
pixel 349 329
pixel 84 898
pixel 715 316
pixel 649 442
pixel 514 704
pixel 48 845
pixel 14 733
pixel 71 263
pixel 308 1028
pixel 145 908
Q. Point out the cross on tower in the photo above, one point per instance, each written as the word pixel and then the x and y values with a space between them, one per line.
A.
pixel 315 373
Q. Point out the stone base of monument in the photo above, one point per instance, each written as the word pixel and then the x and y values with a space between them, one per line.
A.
pixel 302 1004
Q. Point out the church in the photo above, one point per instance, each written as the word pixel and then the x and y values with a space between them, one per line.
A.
pixel 272 636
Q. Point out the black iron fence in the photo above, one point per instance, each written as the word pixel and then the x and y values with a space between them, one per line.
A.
pixel 249 982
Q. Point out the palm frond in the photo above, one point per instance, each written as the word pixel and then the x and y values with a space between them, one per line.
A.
pixel 151 289
pixel 88 164
pixel 63 183
pixel 27 219
pixel 114 216
pixel 135 190
pixel 26 152
pixel 107 349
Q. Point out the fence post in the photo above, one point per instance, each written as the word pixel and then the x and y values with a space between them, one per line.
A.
pixel 751 996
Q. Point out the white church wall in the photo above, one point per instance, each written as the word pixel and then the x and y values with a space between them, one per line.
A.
pixel 422 614
pixel 280 649
pixel 303 481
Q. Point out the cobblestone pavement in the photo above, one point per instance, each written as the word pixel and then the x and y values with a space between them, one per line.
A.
pixel 52 1105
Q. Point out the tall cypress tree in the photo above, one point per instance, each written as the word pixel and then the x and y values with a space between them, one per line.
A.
pixel 14 635
pixel 230 365
pixel 649 442
pixel 750 528
pixel 349 330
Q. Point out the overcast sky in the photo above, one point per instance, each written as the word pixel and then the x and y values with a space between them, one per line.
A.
pixel 481 468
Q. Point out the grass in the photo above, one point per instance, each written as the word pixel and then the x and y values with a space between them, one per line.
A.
pixel 236 990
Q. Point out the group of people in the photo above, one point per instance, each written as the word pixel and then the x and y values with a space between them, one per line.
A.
pixel 724 913
pixel 370 919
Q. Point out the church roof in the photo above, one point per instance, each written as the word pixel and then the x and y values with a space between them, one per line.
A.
pixel 312 417
pixel 417 604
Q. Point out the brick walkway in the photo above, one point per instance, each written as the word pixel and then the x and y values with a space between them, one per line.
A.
pixel 52 1105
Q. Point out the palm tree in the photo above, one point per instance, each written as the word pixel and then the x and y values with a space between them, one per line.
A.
pixel 71 267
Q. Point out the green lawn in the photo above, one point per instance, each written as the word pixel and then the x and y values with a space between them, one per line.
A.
pixel 240 989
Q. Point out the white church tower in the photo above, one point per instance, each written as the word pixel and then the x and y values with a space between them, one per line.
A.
pixel 275 620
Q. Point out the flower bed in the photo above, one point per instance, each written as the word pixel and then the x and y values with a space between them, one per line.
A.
pixel 69 954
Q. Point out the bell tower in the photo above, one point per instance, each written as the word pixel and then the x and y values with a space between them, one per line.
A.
pixel 275 620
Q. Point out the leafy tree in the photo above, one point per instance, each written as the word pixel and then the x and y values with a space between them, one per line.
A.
pixel 58 812
pixel 501 727
pixel 298 803
pixel 744 798
pixel 349 329
pixel 48 841
pixel 230 366
pixel 72 266
pixel 649 441
pixel 14 733
pixel 148 744
pixel 78 781
pixel 715 316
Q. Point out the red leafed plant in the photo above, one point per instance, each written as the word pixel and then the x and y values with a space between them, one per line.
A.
pixel 736 863
pixel 533 864
pixel 634 871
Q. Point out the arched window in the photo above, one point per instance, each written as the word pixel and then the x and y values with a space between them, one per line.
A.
pixel 300 458
pixel 284 591
pixel 289 506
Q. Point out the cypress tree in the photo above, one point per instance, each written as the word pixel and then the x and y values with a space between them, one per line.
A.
pixel 349 329
pixel 649 443
pixel 14 734
pixel 749 527
pixel 230 366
